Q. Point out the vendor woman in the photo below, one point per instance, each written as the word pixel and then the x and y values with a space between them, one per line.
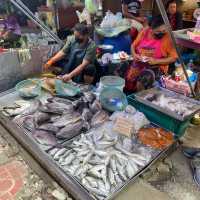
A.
pixel 152 51
pixel 79 53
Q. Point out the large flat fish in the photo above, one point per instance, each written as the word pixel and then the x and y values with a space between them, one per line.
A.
pixel 17 109
pixel 49 128
pixel 44 138
pixel 41 117
pixel 29 123
pixel 99 118
pixel 70 131
pixel 59 100
pixel 32 108
pixel 45 109
pixel 56 105
pixel 67 119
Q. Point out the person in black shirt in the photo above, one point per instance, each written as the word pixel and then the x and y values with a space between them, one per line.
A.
pixel 131 10
pixel 175 17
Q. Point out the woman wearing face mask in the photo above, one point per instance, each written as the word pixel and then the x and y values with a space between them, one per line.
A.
pixel 152 50
pixel 79 53
pixel 174 16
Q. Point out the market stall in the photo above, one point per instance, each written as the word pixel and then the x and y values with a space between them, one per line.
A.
pixel 103 149
pixel 93 143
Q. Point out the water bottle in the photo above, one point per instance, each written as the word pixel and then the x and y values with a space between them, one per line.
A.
pixel 190 65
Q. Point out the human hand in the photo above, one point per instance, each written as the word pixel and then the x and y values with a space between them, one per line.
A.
pixel 153 61
pixel 141 19
pixel 47 66
pixel 66 77
pixel 137 57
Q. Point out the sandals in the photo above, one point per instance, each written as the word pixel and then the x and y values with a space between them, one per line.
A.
pixel 195 165
pixel 191 152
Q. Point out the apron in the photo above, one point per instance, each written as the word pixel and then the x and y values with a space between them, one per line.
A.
pixel 147 47
pixel 75 58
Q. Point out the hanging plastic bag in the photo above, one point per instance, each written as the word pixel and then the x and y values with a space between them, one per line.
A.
pixel 91 6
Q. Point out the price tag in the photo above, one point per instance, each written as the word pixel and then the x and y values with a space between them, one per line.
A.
pixel 124 126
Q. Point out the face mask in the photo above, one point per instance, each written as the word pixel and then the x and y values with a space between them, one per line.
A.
pixel 79 40
pixel 159 36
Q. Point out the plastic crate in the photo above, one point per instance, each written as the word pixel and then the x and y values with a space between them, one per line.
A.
pixel 159 118
pixel 179 87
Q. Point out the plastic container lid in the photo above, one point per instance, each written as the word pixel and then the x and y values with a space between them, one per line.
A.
pixel 112 81
pixel 29 88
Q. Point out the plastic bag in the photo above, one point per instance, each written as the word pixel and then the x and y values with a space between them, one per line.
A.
pixel 91 6
pixel 84 16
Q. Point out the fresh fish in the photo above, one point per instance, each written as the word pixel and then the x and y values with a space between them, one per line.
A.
pixel 68 160
pixel 29 123
pixel 53 151
pixel 113 165
pixel 45 109
pixel 54 118
pixel 89 96
pixel 118 179
pixel 67 119
pixel 92 181
pixel 41 117
pixel 70 131
pixel 20 107
pixel 56 105
pixel 59 100
pixel 111 176
pixel 86 114
pixel 95 107
pixel 99 118
pixel 83 153
pixel 48 127
pixel 130 170
pixel 93 190
pixel 121 172
pixel 32 108
pixel 44 138
pixel 101 153
pixel 59 153
pixel 87 158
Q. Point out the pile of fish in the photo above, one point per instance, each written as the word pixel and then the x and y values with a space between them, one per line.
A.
pixel 101 160
pixel 57 118
pixel 177 105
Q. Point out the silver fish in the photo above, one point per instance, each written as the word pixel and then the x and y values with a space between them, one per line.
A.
pixel 59 153
pixel 87 158
pixel 53 151
pixel 99 118
pixel 130 170
pixel 121 172
pixel 68 160
pixel 92 181
pixel 111 177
